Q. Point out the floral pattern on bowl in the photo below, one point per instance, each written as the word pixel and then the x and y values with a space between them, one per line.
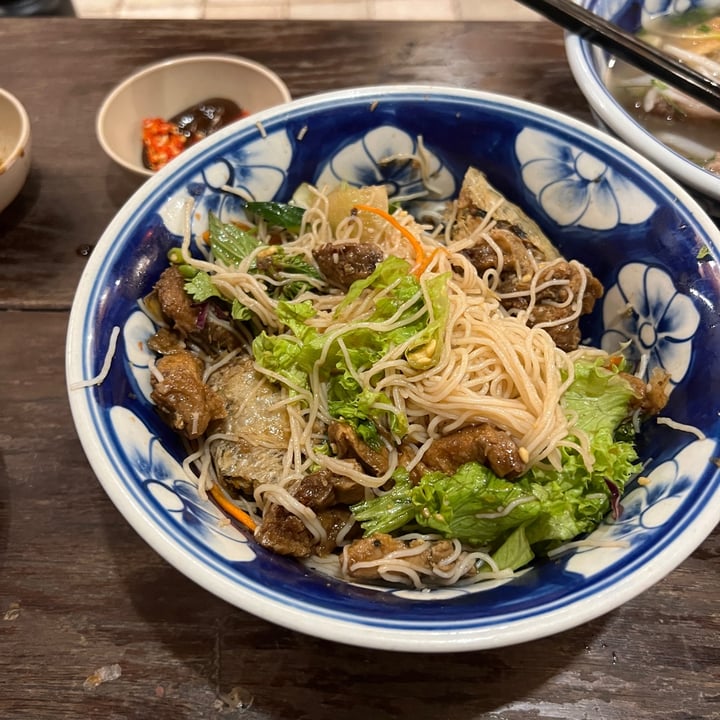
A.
pixel 662 7
pixel 225 183
pixel 391 157
pixel 574 187
pixel 646 509
pixel 166 483
pixel 645 312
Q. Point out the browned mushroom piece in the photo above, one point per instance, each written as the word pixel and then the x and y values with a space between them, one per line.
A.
pixel 520 252
pixel 482 443
pixel 344 263
pixel 328 496
pixel 188 319
pixel 184 401
pixel 348 444
pixel 370 557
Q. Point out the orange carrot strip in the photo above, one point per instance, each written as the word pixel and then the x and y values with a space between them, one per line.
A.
pixel 231 509
pixel 613 362
pixel 416 244
pixel 420 268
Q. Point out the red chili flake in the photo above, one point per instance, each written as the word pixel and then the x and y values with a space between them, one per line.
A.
pixel 162 141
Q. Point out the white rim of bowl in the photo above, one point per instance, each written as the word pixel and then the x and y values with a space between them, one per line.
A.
pixel 274 78
pixel 579 55
pixel 22 142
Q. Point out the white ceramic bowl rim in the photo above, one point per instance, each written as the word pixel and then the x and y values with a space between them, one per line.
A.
pixel 176 60
pixel 267 602
pixel 24 136
pixel 582 57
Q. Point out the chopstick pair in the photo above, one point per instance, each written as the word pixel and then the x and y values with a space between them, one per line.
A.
pixel 580 21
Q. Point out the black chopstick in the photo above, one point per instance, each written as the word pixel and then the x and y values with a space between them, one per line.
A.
pixel 580 21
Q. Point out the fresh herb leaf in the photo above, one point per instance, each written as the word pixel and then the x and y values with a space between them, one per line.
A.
pixel 230 243
pixel 278 265
pixel 278 214
pixel 201 288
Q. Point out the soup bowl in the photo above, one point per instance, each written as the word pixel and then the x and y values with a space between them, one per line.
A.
pixel 15 147
pixel 643 236
pixel 589 65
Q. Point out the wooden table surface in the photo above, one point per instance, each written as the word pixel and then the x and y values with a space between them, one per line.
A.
pixel 79 590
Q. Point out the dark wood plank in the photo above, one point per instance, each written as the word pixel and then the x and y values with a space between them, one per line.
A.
pixel 74 190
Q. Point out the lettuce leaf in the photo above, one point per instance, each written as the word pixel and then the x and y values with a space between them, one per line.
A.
pixel 543 509
pixel 283 353
pixel 600 398
pixel 295 354
pixel 427 349
pixel 387 272
pixel 515 551
pixel 390 511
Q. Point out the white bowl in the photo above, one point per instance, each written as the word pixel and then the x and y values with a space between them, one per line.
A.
pixel 166 88
pixel 643 236
pixel 15 146
pixel 589 63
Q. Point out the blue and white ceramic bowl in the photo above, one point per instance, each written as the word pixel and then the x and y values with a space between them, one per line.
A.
pixel 589 64
pixel 641 234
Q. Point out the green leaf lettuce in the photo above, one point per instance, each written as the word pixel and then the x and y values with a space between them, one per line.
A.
pixel 516 520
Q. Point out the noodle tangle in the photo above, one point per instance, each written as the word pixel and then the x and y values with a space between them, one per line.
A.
pixel 431 340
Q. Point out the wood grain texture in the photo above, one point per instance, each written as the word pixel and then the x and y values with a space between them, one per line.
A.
pixel 79 589
pixel 74 190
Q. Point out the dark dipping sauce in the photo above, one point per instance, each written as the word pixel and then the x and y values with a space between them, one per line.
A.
pixel 164 139
pixel 206 117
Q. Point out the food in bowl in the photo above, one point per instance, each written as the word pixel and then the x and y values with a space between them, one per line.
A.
pixel 398 399
pixel 589 65
pixel 682 123
pixel 602 205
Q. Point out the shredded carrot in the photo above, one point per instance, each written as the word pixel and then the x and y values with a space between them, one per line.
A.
pixel 420 260
pixel 232 510
pixel 420 268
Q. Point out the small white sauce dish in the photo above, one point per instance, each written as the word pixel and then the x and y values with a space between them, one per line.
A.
pixel 166 88
pixel 15 145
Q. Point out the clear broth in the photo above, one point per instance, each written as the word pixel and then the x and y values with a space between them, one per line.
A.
pixel 683 125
